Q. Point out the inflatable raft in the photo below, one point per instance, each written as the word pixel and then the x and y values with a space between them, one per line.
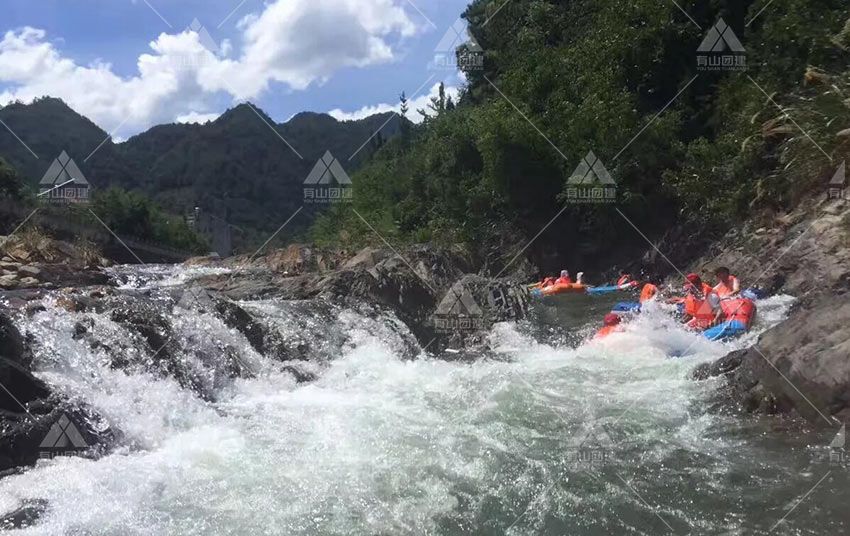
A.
pixel 613 288
pixel 554 290
pixel 739 313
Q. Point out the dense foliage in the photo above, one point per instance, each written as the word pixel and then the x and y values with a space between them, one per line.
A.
pixel 10 183
pixel 620 78
pixel 132 214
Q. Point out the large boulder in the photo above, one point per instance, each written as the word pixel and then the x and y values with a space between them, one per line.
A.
pixel 469 308
pixel 800 366
pixel 29 409
pixel 411 284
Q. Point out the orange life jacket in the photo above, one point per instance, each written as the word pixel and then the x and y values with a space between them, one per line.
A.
pixel 702 315
pixel 692 303
pixel 605 331
pixel 741 310
pixel 564 281
pixel 624 279
pixel 725 291
pixel 649 291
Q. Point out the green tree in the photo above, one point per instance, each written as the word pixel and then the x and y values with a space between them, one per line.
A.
pixel 11 186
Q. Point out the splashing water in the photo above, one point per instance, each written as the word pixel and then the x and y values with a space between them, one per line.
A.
pixel 384 445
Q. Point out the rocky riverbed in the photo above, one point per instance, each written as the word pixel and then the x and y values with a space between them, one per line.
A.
pixel 439 306
pixel 111 344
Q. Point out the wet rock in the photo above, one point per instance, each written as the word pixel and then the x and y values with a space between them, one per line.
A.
pixel 13 345
pixel 800 366
pixel 68 275
pixel 410 284
pixel 239 319
pixel 34 435
pixel 301 376
pixel 146 320
pixel 24 516
pixel 468 310
pixel 21 386
pixel 722 366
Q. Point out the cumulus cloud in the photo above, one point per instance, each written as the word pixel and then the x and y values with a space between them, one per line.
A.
pixel 418 103
pixel 298 43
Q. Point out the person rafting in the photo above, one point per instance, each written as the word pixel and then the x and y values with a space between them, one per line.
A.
pixel 580 278
pixel 728 285
pixel 702 304
pixel 546 282
pixel 565 278
pixel 650 289
pixel 625 278
pixel 610 324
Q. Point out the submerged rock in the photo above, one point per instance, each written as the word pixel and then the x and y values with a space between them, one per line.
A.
pixel 24 516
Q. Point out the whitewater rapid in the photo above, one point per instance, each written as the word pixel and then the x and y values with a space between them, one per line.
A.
pixel 381 445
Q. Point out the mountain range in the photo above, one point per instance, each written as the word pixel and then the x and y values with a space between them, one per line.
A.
pixel 242 167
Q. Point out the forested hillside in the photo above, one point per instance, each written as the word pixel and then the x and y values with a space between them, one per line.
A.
pixel 238 166
pixel 692 150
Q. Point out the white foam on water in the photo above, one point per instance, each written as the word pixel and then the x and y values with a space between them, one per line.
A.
pixel 382 445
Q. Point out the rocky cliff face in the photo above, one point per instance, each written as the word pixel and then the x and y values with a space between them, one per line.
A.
pixel 802 365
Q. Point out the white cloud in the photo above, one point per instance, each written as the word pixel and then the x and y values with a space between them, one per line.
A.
pixel 419 103
pixel 294 42
pixel 195 117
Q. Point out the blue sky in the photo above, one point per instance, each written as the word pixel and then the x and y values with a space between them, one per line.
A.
pixel 130 64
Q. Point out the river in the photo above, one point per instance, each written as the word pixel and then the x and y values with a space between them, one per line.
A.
pixel 547 435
